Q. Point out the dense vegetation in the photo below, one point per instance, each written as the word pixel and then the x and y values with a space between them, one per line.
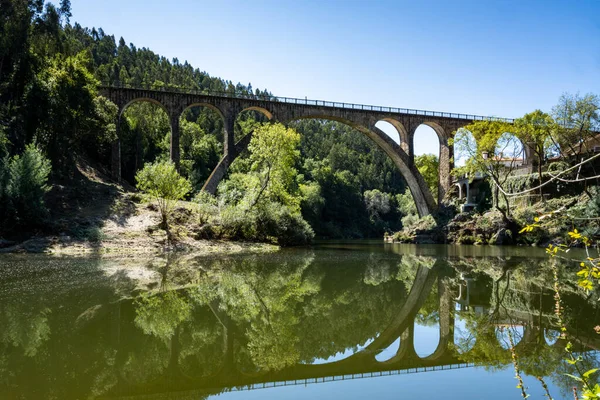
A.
pixel 49 73
pixel 543 163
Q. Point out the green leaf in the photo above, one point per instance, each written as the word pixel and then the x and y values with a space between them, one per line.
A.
pixel 578 379
pixel 587 374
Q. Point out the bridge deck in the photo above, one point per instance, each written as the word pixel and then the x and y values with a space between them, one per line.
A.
pixel 321 103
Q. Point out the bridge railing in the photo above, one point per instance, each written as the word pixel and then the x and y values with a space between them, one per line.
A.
pixel 360 375
pixel 311 102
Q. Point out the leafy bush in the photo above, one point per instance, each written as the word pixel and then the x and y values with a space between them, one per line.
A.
pixel 207 206
pixel 406 203
pixel 262 201
pixel 409 221
pixel 23 184
pixel 268 221
pixel 162 182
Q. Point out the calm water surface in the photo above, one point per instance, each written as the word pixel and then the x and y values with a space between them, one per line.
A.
pixel 351 320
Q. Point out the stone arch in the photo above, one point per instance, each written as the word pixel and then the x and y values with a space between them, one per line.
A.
pixel 502 334
pixel 142 99
pixel 389 352
pixel 418 188
pixel 400 130
pixel 207 105
pixel 437 128
pixel 261 110
pixel 215 119
pixel 126 165
pixel 551 336
pixel 445 156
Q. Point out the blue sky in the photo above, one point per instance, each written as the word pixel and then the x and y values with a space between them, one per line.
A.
pixel 502 58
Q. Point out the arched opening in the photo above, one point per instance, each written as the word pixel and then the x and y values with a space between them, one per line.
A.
pixel 248 119
pixel 465 147
pixel 427 325
pixel 356 180
pixel 200 142
pixel 551 336
pixel 553 150
pixel 509 151
pixel 389 352
pixel 504 333
pixel 144 132
pixel 393 129
pixel 464 340
pixel 427 156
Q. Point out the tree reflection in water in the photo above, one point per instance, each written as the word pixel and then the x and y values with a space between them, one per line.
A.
pixel 211 324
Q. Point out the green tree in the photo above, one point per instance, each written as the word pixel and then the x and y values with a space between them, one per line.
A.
pixel 162 182
pixel 65 110
pixel 273 155
pixel 429 166
pixel 377 203
pixel 23 184
pixel 484 145
pixel 578 121
pixel 535 131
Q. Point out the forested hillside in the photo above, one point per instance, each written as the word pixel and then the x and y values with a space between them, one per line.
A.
pixel 49 73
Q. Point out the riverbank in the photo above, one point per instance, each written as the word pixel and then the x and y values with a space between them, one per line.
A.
pixel 92 215
pixel 552 219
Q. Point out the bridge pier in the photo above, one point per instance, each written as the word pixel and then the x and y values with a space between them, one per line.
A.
pixel 445 169
pixel 409 146
pixel 228 134
pixel 175 151
pixel 115 153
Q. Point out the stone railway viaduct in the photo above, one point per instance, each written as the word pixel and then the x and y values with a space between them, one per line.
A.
pixel 360 117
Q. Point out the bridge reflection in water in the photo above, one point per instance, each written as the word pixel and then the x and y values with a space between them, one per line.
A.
pixel 295 317
pixel 433 277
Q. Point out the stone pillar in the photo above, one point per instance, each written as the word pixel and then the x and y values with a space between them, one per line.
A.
pixel 175 151
pixel 228 135
pixel 409 146
pixel 406 350
pixel 445 169
pixel 115 161
pixel 139 154
pixel 446 309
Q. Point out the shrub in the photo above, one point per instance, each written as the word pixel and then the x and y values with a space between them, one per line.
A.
pixel 409 221
pixel 23 184
pixel 162 183
pixel 207 206
pixel 268 221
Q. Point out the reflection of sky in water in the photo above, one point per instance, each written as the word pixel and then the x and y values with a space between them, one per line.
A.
pixel 469 383
pixel 503 337
pixel 459 384
pixel 426 339
pixel 388 352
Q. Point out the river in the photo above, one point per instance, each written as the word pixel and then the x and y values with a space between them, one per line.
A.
pixel 351 320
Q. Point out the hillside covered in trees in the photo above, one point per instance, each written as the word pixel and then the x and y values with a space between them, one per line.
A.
pixel 52 119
